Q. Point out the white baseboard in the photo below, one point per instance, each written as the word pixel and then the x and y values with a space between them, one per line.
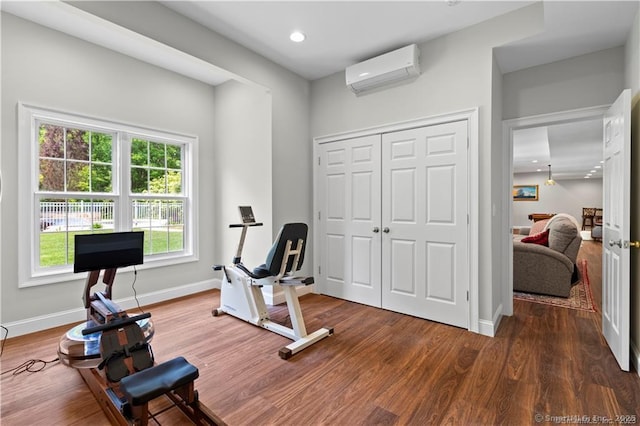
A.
pixel 43 322
pixel 490 328
pixel 486 328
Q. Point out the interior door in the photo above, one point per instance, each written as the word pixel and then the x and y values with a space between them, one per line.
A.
pixel 425 266
pixel 616 218
pixel 349 191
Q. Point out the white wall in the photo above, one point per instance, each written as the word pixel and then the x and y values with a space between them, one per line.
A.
pixel 567 196
pixel 497 157
pixel 584 81
pixel 233 122
pixel 50 69
pixel 457 73
pixel 291 142
pixel 242 171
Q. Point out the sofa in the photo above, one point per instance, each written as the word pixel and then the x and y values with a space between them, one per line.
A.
pixel 547 269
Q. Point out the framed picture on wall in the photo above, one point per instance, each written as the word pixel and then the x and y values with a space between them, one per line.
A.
pixel 525 192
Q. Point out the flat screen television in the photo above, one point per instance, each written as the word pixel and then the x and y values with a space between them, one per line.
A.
pixel 94 252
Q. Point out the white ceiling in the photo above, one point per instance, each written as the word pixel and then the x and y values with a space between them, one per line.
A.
pixel 573 150
pixel 342 33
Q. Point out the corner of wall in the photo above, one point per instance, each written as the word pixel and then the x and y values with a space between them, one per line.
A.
pixel 490 328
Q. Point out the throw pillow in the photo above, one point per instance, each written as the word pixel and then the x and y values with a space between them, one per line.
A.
pixel 541 238
pixel 538 226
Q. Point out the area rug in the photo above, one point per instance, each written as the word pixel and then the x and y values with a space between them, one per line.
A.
pixel 580 297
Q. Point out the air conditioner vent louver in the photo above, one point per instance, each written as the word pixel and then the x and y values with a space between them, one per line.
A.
pixel 384 70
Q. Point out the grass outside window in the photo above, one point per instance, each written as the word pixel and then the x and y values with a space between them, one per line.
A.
pixel 56 250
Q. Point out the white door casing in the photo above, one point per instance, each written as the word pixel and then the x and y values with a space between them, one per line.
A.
pixel 616 228
pixel 425 265
pixel 508 128
pixel 349 190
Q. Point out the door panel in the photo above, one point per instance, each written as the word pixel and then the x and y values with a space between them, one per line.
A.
pixel 349 187
pixel 440 185
pixel 440 261
pixel 403 202
pixel 424 179
pixel 616 228
pixel 402 262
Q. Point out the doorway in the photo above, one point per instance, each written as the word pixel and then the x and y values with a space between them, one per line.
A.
pixel 510 130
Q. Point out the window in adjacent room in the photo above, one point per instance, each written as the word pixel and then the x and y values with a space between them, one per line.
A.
pixel 94 176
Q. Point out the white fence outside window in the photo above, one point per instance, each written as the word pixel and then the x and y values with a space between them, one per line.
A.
pixel 85 215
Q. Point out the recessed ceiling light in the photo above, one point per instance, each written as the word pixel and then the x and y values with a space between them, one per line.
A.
pixel 592 171
pixel 597 167
pixel 587 177
pixel 297 36
pixel 534 161
pixel 538 170
pixel 601 161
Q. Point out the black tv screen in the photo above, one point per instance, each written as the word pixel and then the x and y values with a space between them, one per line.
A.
pixel 94 252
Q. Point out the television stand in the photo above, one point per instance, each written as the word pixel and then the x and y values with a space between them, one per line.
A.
pixel 100 308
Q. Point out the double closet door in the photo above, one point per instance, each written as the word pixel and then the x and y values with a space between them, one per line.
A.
pixel 393 221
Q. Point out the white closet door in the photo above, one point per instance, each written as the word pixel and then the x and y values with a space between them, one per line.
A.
pixel 425 268
pixel 349 191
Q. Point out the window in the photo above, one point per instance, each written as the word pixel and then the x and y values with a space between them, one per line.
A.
pixel 93 176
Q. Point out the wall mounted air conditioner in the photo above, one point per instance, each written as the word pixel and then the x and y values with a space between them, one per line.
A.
pixel 384 70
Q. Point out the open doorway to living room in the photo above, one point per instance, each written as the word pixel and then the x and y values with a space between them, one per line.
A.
pixel 556 208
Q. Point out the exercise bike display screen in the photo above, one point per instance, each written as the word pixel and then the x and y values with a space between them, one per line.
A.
pixel 94 252
pixel 246 212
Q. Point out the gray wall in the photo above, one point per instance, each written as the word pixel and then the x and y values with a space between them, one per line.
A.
pixel 584 81
pixel 291 148
pixel 457 73
pixel 242 171
pixel 497 207
pixel 50 69
pixel 292 184
pixel 567 196
pixel 36 69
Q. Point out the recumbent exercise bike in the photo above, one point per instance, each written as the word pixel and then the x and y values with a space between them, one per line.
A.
pixel 241 294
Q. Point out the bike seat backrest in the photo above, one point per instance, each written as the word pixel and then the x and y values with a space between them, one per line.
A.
pixel 289 232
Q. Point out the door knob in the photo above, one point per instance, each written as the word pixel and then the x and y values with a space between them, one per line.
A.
pixel 634 244
pixel 385 230
pixel 376 229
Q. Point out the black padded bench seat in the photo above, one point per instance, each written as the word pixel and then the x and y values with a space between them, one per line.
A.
pixel 145 385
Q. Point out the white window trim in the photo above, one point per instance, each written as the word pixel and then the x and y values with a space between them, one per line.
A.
pixel 28 223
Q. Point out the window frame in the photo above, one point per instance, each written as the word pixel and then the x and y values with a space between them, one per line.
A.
pixel 29 117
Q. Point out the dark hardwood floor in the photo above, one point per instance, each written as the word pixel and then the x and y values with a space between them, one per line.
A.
pixel 379 367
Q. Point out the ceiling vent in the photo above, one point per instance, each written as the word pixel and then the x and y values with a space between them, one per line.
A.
pixel 384 70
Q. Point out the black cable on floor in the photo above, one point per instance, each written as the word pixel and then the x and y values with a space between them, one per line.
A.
pixel 133 287
pixel 31 366
pixel 4 339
